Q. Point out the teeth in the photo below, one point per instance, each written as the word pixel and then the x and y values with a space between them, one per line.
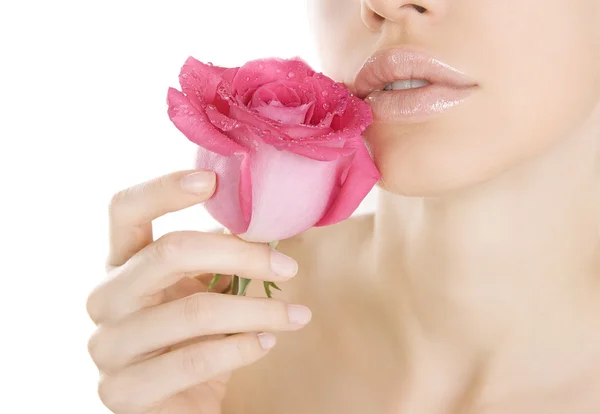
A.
pixel 405 84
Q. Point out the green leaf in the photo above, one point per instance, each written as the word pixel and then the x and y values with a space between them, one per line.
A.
pixel 275 286
pixel 242 286
pixel 267 289
pixel 268 286
pixel 234 284
pixel 214 281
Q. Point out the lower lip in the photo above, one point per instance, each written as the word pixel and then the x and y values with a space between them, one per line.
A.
pixel 416 104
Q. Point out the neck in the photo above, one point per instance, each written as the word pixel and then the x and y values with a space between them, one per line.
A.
pixel 471 269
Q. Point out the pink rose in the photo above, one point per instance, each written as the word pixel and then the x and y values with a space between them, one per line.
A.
pixel 284 141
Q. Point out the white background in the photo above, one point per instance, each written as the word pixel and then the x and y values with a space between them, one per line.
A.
pixel 82 115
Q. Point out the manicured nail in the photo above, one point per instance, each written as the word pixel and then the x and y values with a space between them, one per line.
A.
pixel 266 340
pixel 283 265
pixel 198 182
pixel 299 315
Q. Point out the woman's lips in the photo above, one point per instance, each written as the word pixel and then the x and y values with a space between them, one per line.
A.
pixel 415 104
pixel 447 86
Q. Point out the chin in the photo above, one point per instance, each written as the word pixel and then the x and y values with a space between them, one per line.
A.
pixel 418 162
pixel 419 176
pixel 473 144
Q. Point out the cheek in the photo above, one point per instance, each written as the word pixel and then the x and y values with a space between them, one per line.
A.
pixel 545 78
pixel 342 40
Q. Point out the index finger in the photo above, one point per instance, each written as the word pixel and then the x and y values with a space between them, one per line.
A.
pixel 132 210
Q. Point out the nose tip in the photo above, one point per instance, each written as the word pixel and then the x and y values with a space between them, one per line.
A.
pixel 418 8
pixel 375 12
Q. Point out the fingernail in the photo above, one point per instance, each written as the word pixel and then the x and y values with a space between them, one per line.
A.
pixel 299 315
pixel 266 340
pixel 283 265
pixel 198 182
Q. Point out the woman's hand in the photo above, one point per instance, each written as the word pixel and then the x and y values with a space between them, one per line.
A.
pixel 160 345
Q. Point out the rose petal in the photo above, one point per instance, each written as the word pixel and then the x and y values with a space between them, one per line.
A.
pixel 302 132
pixel 289 93
pixel 229 75
pixel 309 114
pixel 322 145
pixel 245 135
pixel 231 203
pixel 286 115
pixel 361 176
pixel 262 71
pixel 271 133
pixel 224 94
pixel 220 120
pixel 278 130
pixel 326 121
pixel 200 80
pixel 289 194
pixel 276 91
pixel 314 152
pixel 329 96
pixel 252 118
pixel 263 96
pixel 357 114
pixel 353 122
pixel 194 124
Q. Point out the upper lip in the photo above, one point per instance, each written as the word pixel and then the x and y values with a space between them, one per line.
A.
pixel 389 65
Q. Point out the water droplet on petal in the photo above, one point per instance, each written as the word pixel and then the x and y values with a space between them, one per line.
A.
pixel 325 93
pixel 184 76
pixel 326 106
pixel 291 74
pixel 210 64
pixel 247 78
pixel 335 85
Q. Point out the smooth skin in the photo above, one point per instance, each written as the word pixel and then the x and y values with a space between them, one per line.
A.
pixel 474 288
